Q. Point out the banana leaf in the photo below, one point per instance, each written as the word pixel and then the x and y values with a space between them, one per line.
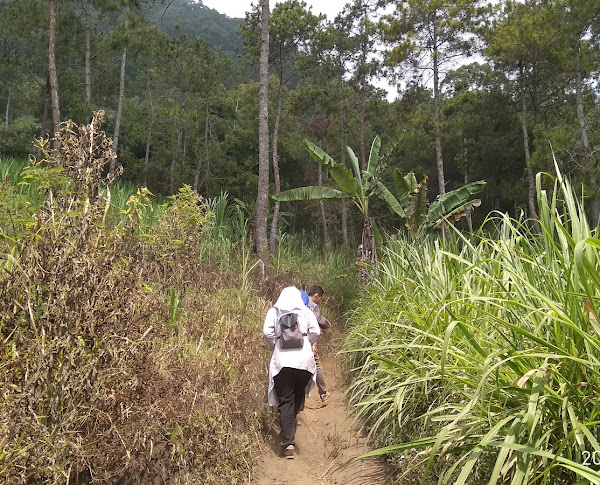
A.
pixel 390 146
pixel 378 156
pixel 373 162
pixel 340 173
pixel 444 205
pixel 354 163
pixel 308 193
pixel 319 155
pixel 345 181
pixel 418 213
pixel 384 194
pixel 404 185
pixel 458 213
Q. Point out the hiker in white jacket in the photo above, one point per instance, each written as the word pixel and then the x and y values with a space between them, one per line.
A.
pixel 292 372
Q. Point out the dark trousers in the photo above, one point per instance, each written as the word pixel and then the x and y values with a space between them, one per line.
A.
pixel 290 385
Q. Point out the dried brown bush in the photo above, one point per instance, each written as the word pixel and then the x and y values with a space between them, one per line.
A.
pixel 95 386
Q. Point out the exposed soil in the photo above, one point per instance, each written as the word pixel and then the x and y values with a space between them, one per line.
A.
pixel 326 441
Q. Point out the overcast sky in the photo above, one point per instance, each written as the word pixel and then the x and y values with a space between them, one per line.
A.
pixel 238 8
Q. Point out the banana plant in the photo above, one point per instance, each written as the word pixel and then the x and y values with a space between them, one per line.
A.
pixel 419 215
pixel 355 184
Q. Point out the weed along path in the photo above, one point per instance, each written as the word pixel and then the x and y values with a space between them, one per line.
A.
pixel 325 441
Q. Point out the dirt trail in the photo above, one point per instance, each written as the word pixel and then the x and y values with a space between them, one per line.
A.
pixel 325 442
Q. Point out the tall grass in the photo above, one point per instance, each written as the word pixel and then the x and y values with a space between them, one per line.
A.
pixel 485 353
pixel 11 169
pixel 121 193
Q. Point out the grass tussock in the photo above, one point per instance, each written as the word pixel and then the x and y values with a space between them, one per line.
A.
pixel 124 359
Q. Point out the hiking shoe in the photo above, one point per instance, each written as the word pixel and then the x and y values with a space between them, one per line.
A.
pixel 325 396
pixel 289 452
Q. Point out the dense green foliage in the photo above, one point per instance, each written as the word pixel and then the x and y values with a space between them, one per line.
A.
pixel 190 97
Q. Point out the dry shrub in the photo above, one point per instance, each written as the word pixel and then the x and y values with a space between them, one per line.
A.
pixel 95 387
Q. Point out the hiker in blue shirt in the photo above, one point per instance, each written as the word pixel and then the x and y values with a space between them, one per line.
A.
pixel 304 296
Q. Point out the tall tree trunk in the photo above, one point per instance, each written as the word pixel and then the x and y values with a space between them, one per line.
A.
pixel 363 88
pixel 263 140
pixel 53 78
pixel 203 160
pixel 530 177
pixel 119 108
pixel 207 138
pixel 44 127
pixel 275 220
pixel 7 112
pixel 121 95
pixel 147 152
pixel 363 103
pixel 345 242
pixel 176 152
pixel 88 53
pixel 322 207
pixel 437 131
pixel 148 136
pixel 590 163
pixel 436 122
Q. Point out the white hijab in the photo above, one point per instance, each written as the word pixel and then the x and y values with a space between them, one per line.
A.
pixel 290 300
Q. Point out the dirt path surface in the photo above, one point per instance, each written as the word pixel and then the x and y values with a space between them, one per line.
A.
pixel 325 442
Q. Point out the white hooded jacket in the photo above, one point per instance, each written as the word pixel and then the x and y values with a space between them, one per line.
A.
pixel 290 301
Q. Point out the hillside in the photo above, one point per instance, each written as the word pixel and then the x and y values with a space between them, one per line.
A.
pixel 194 19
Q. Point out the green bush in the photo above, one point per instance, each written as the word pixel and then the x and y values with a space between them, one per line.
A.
pixel 95 381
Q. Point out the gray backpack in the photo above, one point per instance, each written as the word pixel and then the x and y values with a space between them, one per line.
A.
pixel 290 336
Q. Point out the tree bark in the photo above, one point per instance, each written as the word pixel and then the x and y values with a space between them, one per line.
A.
pixel 176 152
pixel 363 102
pixel 368 253
pixel 147 152
pixel 275 219
pixel 121 96
pixel 88 54
pixel 148 136
pixel 44 127
pixel 530 177
pixel 119 108
pixel 345 241
pixel 436 122
pixel 203 160
pixel 363 89
pixel 7 112
pixel 322 207
pixel 263 140
pixel 53 78
pixel 590 163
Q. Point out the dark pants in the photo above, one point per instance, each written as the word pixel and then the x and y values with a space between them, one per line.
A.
pixel 290 385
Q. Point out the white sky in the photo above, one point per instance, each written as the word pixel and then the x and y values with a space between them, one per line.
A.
pixel 238 8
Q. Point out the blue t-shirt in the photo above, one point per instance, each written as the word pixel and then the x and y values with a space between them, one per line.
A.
pixel 304 297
